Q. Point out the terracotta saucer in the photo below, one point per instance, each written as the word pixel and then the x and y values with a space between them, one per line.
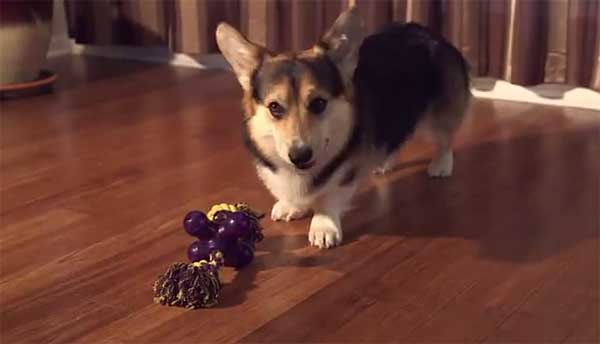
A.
pixel 42 84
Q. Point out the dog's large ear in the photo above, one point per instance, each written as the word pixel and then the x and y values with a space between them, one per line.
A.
pixel 243 56
pixel 342 41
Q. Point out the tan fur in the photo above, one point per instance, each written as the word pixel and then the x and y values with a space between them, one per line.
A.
pixel 277 135
pixel 326 133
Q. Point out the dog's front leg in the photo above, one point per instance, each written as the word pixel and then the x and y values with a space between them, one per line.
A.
pixel 286 211
pixel 325 230
pixel 325 226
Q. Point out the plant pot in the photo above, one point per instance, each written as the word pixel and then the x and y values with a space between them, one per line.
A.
pixel 25 32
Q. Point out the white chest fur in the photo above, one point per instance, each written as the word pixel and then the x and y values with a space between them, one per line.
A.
pixel 296 189
pixel 288 186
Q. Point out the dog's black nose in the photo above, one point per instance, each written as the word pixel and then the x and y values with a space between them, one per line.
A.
pixel 300 155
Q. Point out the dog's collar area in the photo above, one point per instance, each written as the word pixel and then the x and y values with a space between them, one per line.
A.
pixel 323 176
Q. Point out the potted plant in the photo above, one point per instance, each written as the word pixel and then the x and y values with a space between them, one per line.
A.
pixel 25 32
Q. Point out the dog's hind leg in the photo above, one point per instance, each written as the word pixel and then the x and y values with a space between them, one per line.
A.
pixel 384 168
pixel 443 124
pixel 442 163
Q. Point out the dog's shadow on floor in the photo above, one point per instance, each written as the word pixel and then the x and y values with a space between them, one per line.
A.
pixel 272 253
pixel 520 200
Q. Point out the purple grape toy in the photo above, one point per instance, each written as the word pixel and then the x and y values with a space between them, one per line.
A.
pixel 237 226
pixel 232 229
pixel 221 217
pixel 201 250
pixel 226 236
pixel 197 224
pixel 245 254
pixel 190 285
pixel 238 254
pixel 243 225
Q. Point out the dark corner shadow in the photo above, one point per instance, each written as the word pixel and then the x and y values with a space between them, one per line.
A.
pixel 520 200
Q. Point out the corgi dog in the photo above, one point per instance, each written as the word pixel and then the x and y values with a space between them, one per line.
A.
pixel 319 121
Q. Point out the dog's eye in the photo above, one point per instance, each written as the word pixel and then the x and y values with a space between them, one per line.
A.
pixel 276 109
pixel 317 105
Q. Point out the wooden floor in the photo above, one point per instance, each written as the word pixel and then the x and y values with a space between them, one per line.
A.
pixel 97 177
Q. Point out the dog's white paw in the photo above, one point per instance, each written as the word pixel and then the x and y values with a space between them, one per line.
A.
pixel 384 168
pixel 441 166
pixel 283 211
pixel 381 170
pixel 324 232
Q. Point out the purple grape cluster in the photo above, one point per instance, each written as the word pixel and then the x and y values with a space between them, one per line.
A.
pixel 233 233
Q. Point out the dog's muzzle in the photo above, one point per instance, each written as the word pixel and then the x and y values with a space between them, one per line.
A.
pixel 301 156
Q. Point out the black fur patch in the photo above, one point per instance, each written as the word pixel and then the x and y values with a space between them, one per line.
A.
pixel 320 68
pixel 323 45
pixel 399 73
pixel 353 142
pixel 254 150
pixel 326 74
pixel 348 177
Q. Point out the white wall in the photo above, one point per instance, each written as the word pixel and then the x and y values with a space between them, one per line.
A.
pixel 60 43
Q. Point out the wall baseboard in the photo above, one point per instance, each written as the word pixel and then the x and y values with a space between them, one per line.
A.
pixel 60 45
pixel 546 94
